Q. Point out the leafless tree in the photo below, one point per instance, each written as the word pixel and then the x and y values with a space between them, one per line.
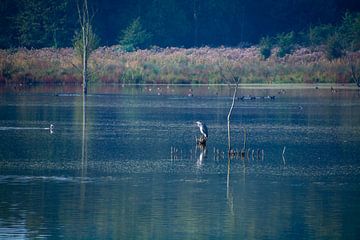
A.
pixel 86 42
pixel 230 75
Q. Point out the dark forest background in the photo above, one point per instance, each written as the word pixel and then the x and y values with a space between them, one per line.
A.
pixel 181 23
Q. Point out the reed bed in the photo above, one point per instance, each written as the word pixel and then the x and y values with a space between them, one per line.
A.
pixel 175 65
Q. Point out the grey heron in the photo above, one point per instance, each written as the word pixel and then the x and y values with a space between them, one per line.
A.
pixel 203 129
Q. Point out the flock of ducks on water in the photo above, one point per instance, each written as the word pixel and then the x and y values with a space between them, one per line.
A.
pixel 202 127
pixel 190 93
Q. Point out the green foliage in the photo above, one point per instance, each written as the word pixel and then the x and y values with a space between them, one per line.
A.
pixel 30 24
pixel 134 37
pixel 350 31
pixel 333 47
pixel 78 42
pixel 336 39
pixel 265 47
pixel 168 23
pixel 285 42
pixel 7 38
pixel 43 23
pixel 51 23
pixel 345 36
pixel 320 34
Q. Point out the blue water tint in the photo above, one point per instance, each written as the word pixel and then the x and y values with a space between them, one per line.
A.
pixel 132 170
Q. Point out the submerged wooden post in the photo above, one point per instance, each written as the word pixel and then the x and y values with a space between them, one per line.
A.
pixel 242 154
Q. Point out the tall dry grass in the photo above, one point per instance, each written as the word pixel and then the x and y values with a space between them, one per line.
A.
pixel 175 65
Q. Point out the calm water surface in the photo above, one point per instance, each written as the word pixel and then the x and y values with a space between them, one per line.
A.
pixel 126 165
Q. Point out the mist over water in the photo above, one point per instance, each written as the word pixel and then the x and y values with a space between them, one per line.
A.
pixel 131 167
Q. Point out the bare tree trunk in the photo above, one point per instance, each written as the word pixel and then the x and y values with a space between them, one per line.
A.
pixel 84 20
pixel 84 63
pixel 236 80
pixel 229 115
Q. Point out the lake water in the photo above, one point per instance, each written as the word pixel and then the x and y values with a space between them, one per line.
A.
pixel 126 166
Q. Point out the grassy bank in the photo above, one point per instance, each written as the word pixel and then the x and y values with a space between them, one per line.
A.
pixel 176 65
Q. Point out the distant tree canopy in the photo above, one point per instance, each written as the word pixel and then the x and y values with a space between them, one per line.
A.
pixel 52 23
pixel 42 23
pixel 334 39
pixel 134 36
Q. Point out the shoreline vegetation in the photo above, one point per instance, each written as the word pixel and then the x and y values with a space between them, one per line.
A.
pixel 174 65
pixel 323 53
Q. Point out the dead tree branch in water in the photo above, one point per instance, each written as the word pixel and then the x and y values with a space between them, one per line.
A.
pixel 234 79
pixel 229 114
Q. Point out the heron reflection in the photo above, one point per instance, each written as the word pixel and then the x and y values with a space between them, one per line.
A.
pixel 202 157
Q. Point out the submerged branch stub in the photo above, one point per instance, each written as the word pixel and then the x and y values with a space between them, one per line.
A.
pixel 232 153
pixel 242 154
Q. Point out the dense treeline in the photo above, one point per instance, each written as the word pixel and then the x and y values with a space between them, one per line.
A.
pixel 53 23
pixel 333 40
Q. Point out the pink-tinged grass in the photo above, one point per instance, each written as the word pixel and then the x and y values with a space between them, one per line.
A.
pixel 175 65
